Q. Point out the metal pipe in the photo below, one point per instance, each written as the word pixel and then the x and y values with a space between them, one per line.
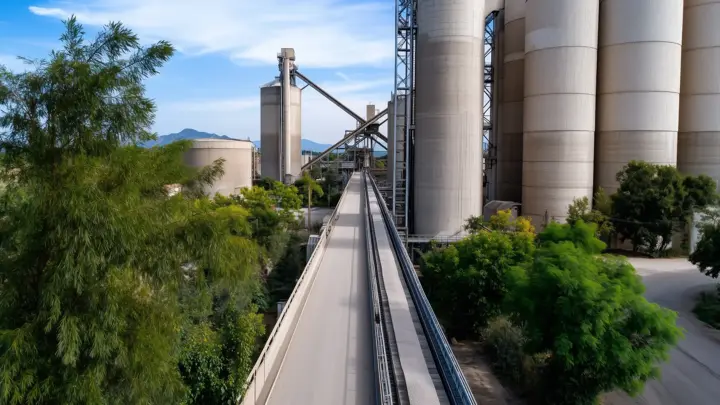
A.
pixel 346 138
pixel 409 116
pixel 285 114
pixel 329 97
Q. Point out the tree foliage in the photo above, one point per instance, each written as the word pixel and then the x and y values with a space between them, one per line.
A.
pixel 309 188
pixel 107 281
pixel 707 252
pixel 598 213
pixel 466 281
pixel 652 201
pixel 588 313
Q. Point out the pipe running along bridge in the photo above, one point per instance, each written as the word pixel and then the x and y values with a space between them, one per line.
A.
pixel 358 329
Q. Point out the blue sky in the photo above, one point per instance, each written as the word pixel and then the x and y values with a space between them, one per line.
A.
pixel 227 50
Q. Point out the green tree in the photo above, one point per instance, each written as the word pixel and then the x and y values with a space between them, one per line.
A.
pixel 465 282
pixel 581 210
pixel 653 201
pixel 306 186
pixel 588 315
pixel 332 186
pixel 286 272
pixel 266 183
pixel 102 272
pixel 270 222
pixel 707 252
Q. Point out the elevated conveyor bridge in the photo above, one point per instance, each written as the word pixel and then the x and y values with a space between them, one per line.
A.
pixel 357 328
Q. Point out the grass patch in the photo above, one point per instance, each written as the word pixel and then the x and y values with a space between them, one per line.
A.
pixel 707 307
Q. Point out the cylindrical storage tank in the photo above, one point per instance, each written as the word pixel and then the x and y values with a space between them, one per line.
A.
pixel 639 60
pixel 270 130
pixel 561 38
pixel 238 157
pixel 699 138
pixel 510 141
pixel 447 177
pixel 295 123
pixel 370 111
pixel 270 145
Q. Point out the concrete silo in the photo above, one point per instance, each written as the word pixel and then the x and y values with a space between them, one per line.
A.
pixel 561 38
pixel 699 138
pixel 271 147
pixel 639 61
pixel 510 141
pixel 238 157
pixel 447 177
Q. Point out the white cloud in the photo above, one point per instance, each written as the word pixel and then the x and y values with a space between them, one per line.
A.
pixel 322 121
pixel 324 33
pixel 13 64
pixel 332 34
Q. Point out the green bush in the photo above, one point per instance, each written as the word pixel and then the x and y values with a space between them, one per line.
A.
pixel 588 313
pixel 707 308
pixel 505 343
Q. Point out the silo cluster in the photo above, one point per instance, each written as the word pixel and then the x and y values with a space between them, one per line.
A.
pixel 582 87
pixel 595 84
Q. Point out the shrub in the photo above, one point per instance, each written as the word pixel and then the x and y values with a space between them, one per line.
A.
pixel 504 342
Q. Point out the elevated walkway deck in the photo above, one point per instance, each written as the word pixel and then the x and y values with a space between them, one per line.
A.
pixel 329 359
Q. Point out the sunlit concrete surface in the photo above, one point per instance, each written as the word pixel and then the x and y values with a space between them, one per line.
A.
pixel 329 360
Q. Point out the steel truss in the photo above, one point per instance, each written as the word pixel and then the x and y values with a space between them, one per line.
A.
pixel 404 118
pixel 490 94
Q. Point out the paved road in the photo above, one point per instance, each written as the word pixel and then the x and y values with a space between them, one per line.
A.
pixel 329 360
pixel 692 376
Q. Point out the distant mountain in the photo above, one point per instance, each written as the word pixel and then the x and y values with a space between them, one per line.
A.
pixel 307 144
pixel 187 133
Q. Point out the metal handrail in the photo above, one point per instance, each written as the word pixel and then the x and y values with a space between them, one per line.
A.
pixel 384 391
pixel 456 385
pixel 311 262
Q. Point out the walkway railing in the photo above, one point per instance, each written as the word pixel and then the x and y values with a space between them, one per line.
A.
pixel 264 372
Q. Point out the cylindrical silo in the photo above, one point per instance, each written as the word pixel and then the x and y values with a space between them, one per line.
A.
pixel 561 38
pixel 510 141
pixel 295 128
pixel 699 138
pixel 238 157
pixel 639 59
pixel 447 178
pixel 270 137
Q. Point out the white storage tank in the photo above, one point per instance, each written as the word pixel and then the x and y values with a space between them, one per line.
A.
pixel 238 157
pixel 561 38
pixel 270 145
pixel 447 177
pixel 699 138
pixel 510 141
pixel 638 85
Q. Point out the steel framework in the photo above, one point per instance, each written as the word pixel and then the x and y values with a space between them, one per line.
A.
pixel 404 118
pixel 489 108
